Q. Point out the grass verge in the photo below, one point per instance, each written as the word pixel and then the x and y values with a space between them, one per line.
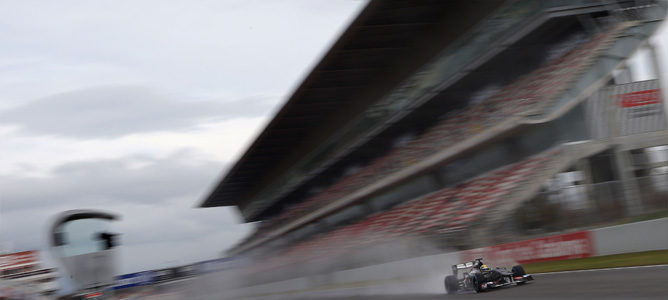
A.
pixel 657 257
pixel 645 217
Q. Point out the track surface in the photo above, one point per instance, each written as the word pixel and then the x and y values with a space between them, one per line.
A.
pixel 623 283
pixel 626 283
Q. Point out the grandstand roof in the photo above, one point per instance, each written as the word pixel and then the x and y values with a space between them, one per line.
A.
pixel 339 84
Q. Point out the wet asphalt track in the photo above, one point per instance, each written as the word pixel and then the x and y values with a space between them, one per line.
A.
pixel 624 283
pixel 627 283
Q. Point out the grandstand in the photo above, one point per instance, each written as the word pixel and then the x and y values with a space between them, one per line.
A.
pixel 455 124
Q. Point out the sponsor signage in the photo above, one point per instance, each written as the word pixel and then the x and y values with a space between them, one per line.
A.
pixel 14 260
pixel 556 247
pixel 134 279
pixel 641 104
pixel 640 107
pixel 641 98
pixel 627 109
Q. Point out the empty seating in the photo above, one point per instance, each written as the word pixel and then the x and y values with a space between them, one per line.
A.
pixel 444 211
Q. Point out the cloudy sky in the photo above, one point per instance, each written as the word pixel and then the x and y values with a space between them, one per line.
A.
pixel 138 107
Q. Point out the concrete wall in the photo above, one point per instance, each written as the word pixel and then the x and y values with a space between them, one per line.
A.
pixel 634 237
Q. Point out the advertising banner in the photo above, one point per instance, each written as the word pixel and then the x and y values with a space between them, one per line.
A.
pixel 556 247
pixel 134 279
pixel 15 260
pixel 627 109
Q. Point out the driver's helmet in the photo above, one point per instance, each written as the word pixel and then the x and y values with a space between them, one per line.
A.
pixel 484 268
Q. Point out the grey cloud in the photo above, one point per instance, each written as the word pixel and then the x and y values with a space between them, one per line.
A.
pixel 104 112
pixel 132 179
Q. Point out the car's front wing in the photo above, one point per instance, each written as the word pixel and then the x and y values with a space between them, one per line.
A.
pixel 515 280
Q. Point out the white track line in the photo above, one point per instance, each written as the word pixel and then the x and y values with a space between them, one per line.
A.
pixel 605 269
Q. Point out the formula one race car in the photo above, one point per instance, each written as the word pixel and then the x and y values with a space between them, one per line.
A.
pixel 478 277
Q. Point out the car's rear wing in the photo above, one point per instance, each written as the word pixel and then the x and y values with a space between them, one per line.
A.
pixel 466 265
pixel 461 266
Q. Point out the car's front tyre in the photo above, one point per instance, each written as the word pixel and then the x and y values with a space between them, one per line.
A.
pixel 518 271
pixel 478 280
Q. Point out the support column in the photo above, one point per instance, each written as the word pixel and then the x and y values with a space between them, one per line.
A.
pixel 656 67
pixel 625 75
pixel 583 166
pixel 629 184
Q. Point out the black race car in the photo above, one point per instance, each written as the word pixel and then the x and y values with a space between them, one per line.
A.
pixel 476 276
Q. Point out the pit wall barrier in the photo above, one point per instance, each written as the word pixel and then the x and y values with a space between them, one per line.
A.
pixel 425 274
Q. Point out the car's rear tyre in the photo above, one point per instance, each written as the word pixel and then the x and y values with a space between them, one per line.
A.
pixel 451 284
pixel 478 281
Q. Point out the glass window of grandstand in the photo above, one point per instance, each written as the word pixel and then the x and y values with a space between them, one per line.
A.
pixel 83 236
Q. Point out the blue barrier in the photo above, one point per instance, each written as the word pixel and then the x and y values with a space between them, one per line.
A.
pixel 134 279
